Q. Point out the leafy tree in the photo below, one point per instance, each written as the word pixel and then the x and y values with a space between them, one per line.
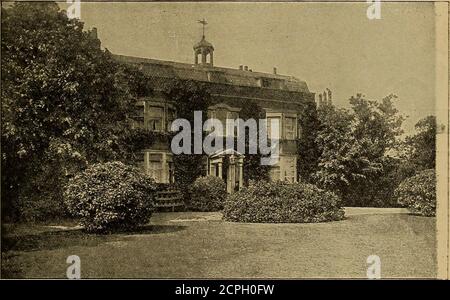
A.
pixel 377 124
pixel 422 145
pixel 342 161
pixel 354 149
pixel 307 149
pixel 418 193
pixel 65 102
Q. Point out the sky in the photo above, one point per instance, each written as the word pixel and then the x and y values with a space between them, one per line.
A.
pixel 328 45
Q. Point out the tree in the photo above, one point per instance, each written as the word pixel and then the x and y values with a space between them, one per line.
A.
pixel 342 161
pixel 65 102
pixel 422 145
pixel 307 148
pixel 354 146
pixel 377 124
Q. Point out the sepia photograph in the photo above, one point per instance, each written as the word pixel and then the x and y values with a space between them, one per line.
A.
pixel 224 140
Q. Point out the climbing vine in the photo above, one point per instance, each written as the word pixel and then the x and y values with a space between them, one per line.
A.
pixel 188 96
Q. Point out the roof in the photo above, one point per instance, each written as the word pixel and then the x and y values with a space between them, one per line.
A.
pixel 228 151
pixel 213 74
pixel 203 44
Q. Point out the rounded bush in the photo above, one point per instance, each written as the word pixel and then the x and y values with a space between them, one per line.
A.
pixel 110 196
pixel 278 202
pixel 418 193
pixel 207 194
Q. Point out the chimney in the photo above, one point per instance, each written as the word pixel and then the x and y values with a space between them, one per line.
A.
pixel 251 70
pixel 241 67
pixel 93 32
pixel 246 68
pixel 329 96
pixel 274 70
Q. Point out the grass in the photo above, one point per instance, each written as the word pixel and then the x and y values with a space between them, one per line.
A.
pixel 200 245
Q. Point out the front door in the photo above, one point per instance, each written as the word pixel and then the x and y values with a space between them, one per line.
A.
pixel 228 166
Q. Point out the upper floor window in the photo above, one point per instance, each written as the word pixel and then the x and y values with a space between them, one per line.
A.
pixel 223 113
pixel 286 126
pixel 270 126
pixel 170 117
pixel 265 82
pixel 138 115
pixel 155 117
pixel 290 128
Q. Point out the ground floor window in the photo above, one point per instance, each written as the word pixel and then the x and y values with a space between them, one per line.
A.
pixel 285 170
pixel 289 166
pixel 159 165
pixel 274 173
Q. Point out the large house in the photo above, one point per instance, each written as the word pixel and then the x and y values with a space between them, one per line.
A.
pixel 281 97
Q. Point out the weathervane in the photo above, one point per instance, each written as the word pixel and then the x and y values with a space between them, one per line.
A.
pixel 203 22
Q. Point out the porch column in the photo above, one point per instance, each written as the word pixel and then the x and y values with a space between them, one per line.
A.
pixel 231 175
pixel 219 164
pixel 241 173
pixel 165 174
pixel 211 168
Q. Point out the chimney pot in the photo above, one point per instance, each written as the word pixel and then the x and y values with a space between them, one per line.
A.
pixel 241 67
pixel 274 70
pixel 246 68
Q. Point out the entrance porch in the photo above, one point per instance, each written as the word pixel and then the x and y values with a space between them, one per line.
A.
pixel 227 164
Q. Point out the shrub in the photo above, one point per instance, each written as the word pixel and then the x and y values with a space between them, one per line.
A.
pixel 418 193
pixel 278 202
pixel 110 196
pixel 207 194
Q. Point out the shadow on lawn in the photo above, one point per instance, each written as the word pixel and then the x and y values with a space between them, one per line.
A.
pixel 49 240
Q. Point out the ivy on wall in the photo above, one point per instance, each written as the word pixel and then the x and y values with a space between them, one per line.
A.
pixel 188 96
pixel 253 170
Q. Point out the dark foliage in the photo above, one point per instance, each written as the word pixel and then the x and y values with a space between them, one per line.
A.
pixel 110 196
pixel 278 202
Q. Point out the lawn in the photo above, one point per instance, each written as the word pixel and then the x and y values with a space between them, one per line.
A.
pixel 201 245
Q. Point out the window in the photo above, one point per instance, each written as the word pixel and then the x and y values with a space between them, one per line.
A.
pixel 289 169
pixel 170 169
pixel 140 161
pixel 233 116
pixel 289 128
pixel 138 116
pixel 171 172
pixel 223 115
pixel 265 82
pixel 155 166
pixel 155 116
pixel 159 166
pixel 269 125
pixel 171 116
pixel 274 173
